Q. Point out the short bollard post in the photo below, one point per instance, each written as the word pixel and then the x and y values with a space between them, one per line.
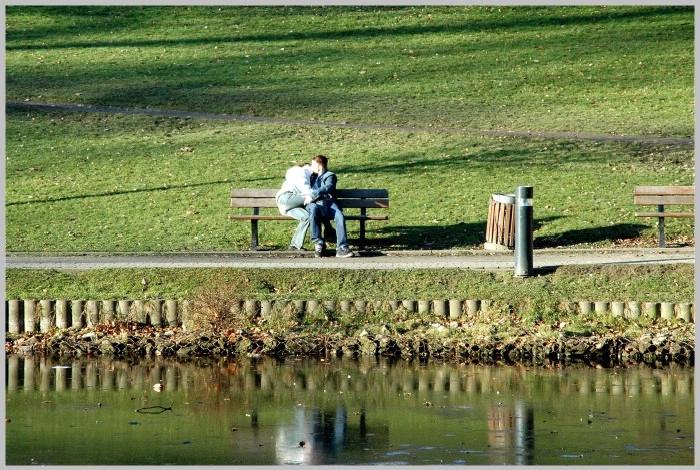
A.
pixel 455 309
pixel 394 305
pixel 62 313
pixel 601 308
pixel 586 308
pixel 123 310
pixel 360 306
pixel 76 313
pixel 472 307
pixel 107 311
pixel 156 312
pixel 187 320
pixel 684 312
pixel 29 315
pixel 667 310
pixel 46 316
pixel 439 308
pixel 139 312
pixel 345 306
pixel 423 306
pixel 523 231
pixel 312 306
pixel 635 310
pixel 651 310
pixel 171 312
pixel 329 306
pixel 409 305
pixel 251 308
pixel 91 313
pixel 299 309
pixel 617 309
pixel 265 308
pixel 13 321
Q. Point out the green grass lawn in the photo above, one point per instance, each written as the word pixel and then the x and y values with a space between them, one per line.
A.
pixel 87 182
pixel 673 283
pixel 92 182
pixel 598 69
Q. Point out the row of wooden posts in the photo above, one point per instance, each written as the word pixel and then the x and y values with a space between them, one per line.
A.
pixel 31 315
pixel 28 373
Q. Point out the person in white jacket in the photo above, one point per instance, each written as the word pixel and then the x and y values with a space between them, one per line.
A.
pixel 291 199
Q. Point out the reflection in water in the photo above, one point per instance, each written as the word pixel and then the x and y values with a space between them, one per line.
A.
pixel 511 429
pixel 325 436
pixel 344 412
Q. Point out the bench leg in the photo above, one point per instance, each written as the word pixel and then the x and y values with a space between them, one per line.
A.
pixel 254 231
pixel 363 212
pixel 662 231
pixel 253 235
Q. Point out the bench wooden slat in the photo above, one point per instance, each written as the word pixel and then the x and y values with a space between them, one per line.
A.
pixel 644 200
pixel 664 190
pixel 664 214
pixel 366 217
pixel 367 203
pixel 286 217
pixel 362 193
pixel 344 203
pixel 340 193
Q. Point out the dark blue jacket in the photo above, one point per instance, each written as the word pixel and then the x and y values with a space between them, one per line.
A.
pixel 323 186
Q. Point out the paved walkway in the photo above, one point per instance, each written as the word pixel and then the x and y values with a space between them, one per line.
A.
pixel 650 139
pixel 476 259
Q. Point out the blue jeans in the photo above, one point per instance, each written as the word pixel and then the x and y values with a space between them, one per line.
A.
pixel 324 211
pixel 293 206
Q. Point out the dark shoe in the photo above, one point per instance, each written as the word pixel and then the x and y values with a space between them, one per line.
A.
pixel 294 248
pixel 318 250
pixel 344 252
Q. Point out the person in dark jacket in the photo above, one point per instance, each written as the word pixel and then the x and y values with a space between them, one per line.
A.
pixel 322 205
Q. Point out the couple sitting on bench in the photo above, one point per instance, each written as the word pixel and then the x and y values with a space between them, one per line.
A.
pixel 308 195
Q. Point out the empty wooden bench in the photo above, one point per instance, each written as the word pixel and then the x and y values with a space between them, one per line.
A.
pixel 662 196
pixel 257 199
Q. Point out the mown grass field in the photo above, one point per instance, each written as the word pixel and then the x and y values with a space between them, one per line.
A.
pixel 93 182
pixel 86 182
pixel 607 69
pixel 653 283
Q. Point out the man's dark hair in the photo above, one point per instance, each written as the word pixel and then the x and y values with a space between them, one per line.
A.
pixel 321 160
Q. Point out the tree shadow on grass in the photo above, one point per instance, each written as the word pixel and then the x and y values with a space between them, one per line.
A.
pixel 128 191
pixel 497 24
pixel 434 237
pixel 590 235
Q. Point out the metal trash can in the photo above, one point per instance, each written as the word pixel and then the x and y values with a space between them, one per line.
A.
pixel 500 224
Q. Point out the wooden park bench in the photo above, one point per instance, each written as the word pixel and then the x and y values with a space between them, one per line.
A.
pixel 257 199
pixel 662 196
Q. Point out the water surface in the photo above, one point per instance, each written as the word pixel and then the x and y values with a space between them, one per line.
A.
pixel 344 412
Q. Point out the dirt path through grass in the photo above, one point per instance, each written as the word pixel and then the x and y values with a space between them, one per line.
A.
pixel 680 141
